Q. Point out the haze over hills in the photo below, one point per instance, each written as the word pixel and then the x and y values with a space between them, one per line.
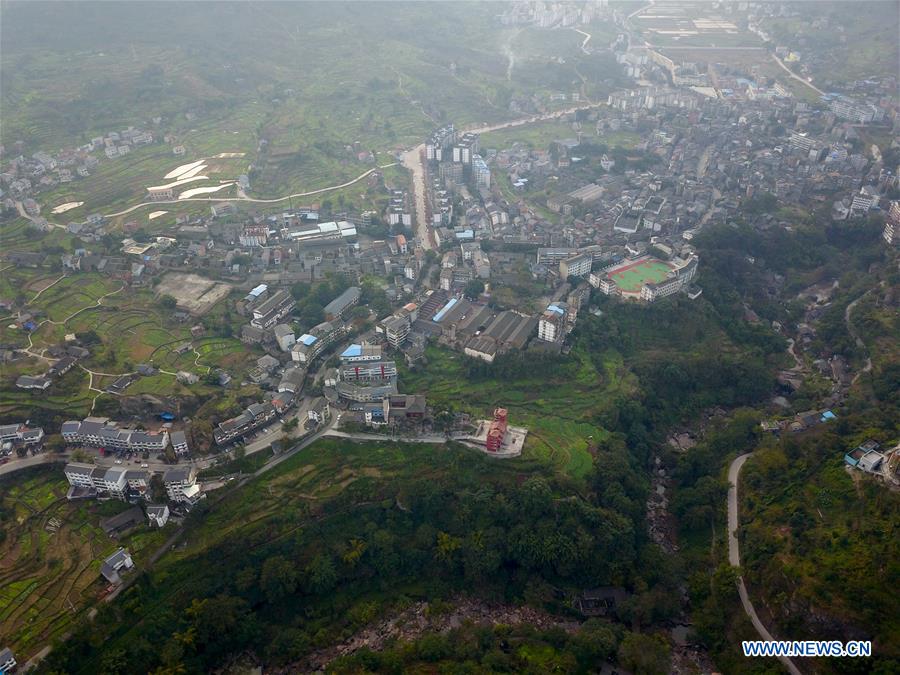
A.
pixel 361 337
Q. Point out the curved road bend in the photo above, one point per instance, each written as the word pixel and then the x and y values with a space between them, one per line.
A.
pixel 734 556
pixel 275 200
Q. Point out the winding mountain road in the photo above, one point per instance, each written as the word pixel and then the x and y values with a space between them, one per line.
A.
pixel 253 200
pixel 734 556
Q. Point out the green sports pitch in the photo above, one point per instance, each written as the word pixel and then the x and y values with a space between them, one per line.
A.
pixel 631 277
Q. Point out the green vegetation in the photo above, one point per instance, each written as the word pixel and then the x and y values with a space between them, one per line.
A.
pixel 403 69
pixel 814 538
pixel 841 42
pixel 51 550
pixel 520 649
pixel 341 528
pixel 821 543
pixel 559 400
pixel 122 327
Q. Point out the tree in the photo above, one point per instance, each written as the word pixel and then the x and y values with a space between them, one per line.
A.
pixel 168 302
pixel 645 654
pixel 300 290
pixel 157 488
pixel 321 575
pixel 474 288
pixel 278 578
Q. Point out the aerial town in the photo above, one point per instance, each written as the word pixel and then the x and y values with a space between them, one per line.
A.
pixel 509 291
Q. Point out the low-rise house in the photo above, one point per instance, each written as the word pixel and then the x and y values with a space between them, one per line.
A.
pixel 19 434
pixel 284 336
pixel 179 442
pixel 7 661
pixel 403 406
pixel 186 378
pixel 40 382
pixel 117 562
pixel 866 457
pixel 601 601
pixel 319 412
pixel 158 515
pixel 122 523
pixel 251 335
pixel 338 307
pixel 292 380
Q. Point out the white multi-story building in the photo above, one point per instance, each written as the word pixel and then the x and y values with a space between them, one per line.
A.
pixel 849 109
pixel 802 141
pixel 481 173
pixel 679 278
pixel 367 371
pixel 891 232
pixel 158 515
pixel 269 311
pixel 107 481
pixel 99 432
pixel 395 329
pixel 181 485
pixel 551 325
pixel 19 434
pixel 179 442
pixel 576 266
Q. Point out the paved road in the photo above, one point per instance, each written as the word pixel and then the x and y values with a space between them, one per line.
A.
pixel 414 160
pixel 18 464
pixel 587 38
pixel 734 556
pixel 275 200
pixel 356 436
pixel 797 77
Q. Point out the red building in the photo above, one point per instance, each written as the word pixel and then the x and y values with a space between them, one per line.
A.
pixel 497 431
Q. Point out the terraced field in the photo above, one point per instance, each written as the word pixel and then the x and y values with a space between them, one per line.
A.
pixel 50 556
pixel 73 402
pixel 49 560
pixel 132 328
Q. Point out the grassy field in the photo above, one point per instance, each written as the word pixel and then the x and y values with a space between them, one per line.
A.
pixel 558 412
pixel 51 550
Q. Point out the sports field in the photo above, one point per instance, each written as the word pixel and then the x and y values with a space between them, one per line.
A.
pixel 630 278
